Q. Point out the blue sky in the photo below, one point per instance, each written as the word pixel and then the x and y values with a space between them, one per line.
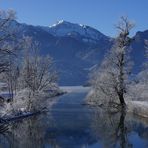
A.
pixel 101 14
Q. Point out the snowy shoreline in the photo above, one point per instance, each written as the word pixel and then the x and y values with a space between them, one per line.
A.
pixel 139 108
pixel 18 108
pixel 49 102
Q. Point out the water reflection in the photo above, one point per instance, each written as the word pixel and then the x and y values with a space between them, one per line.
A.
pixel 76 126
pixel 111 129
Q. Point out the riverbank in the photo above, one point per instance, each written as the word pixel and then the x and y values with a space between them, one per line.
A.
pixel 138 108
pixel 71 124
pixel 49 101
pixel 136 105
pixel 25 104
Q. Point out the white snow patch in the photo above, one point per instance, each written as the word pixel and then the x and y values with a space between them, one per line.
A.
pixel 76 89
pixel 138 107
pixel 63 28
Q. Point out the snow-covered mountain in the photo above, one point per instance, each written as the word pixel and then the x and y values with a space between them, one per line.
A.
pixel 77 49
pixel 85 33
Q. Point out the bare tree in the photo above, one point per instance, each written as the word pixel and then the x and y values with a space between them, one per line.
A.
pixel 36 74
pixel 11 76
pixel 7 33
pixel 113 75
pixel 8 48
pixel 143 74
pixel 38 71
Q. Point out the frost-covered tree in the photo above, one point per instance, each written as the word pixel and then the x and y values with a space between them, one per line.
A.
pixel 11 76
pixel 31 79
pixel 139 88
pixel 38 71
pixel 37 74
pixel 6 38
pixel 9 44
pixel 143 74
pixel 111 79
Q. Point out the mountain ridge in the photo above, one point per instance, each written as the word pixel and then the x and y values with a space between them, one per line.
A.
pixel 74 56
pixel 85 33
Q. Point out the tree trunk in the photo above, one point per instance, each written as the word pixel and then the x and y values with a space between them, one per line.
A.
pixel 122 102
pixel 121 80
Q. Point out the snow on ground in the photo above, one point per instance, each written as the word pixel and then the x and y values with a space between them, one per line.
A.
pixel 21 101
pixel 76 89
pixel 138 92
pixel 137 99
pixel 138 107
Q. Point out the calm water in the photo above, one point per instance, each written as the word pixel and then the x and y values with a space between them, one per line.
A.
pixel 70 124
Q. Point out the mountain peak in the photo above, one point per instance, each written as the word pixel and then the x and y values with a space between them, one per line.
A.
pixel 65 28
pixel 60 22
pixel 63 22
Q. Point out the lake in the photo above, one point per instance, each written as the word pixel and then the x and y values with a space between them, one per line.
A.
pixel 70 124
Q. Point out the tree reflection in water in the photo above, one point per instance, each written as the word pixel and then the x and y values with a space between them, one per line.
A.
pixel 111 129
pixel 99 129
pixel 27 133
